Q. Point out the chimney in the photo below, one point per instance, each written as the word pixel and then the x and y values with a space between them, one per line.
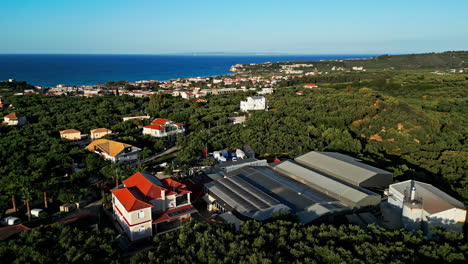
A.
pixel 413 192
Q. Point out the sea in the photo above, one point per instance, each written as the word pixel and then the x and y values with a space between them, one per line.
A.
pixel 48 70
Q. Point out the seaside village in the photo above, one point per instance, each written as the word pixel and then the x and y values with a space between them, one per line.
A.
pixel 193 87
pixel 317 186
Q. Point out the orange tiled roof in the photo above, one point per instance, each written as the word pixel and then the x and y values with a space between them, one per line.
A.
pixel 112 148
pixel 147 184
pixel 12 116
pixel 69 131
pixel 101 130
pixel 129 201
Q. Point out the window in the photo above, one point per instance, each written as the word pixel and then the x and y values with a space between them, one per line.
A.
pixel 142 229
pixel 141 214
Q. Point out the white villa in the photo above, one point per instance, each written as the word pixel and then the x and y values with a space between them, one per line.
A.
pixel 161 127
pixel 147 206
pixel 254 103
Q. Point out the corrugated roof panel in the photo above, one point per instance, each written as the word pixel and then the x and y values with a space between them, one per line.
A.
pixel 352 196
pixel 343 167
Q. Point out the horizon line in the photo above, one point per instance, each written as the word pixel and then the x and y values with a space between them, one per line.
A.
pixel 207 54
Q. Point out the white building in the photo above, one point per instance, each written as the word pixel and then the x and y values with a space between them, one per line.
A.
pixel 161 127
pixel 135 117
pixel 147 206
pixel 14 119
pixel 266 91
pixel 422 206
pixel 254 103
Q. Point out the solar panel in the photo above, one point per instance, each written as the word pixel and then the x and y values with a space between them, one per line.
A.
pixel 236 198
pixel 247 196
pixel 264 197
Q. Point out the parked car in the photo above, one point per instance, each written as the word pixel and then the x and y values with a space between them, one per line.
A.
pixel 10 220
pixel 37 212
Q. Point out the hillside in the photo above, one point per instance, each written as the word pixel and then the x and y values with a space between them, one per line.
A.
pixel 457 60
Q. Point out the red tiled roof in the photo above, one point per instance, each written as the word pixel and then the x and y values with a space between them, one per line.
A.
pixel 159 121
pixel 174 187
pixel 129 201
pixel 149 189
pixel 179 124
pixel 155 127
pixel 311 85
pixel 12 116
pixel 165 216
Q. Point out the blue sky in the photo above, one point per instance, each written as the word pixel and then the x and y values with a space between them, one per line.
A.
pixel 183 26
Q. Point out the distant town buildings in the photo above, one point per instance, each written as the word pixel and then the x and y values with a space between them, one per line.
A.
pixel 114 151
pixel 70 134
pixel 254 103
pixel 14 119
pixel 265 91
pixel 135 117
pixel 421 206
pixel 146 205
pixel 161 127
pixel 99 133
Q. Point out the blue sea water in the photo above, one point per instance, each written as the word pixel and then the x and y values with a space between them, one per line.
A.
pixel 50 70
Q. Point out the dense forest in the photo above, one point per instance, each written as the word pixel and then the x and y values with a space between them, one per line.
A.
pixel 277 241
pixel 283 241
pixel 60 244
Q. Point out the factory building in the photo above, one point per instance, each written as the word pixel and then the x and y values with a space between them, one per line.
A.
pixel 422 206
pixel 346 168
pixel 258 192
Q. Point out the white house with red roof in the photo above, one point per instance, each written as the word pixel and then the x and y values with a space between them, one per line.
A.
pixel 147 206
pixel 310 85
pixel 14 119
pixel 161 127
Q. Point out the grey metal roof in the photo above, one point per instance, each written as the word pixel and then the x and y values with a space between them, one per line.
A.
pixel 244 162
pixel 257 97
pixel 433 199
pixel 350 195
pixel 346 168
pixel 288 191
pixel 245 198
pixel 318 210
pixel 308 203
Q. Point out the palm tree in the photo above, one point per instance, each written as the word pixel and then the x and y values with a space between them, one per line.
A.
pixel 26 193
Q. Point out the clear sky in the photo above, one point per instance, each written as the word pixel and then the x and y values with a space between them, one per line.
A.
pixel 185 26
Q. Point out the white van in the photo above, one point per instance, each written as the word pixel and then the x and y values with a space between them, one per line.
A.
pixel 10 220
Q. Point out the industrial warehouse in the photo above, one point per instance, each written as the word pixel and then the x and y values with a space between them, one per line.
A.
pixel 315 186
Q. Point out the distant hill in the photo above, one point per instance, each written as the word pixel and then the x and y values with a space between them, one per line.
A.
pixel 427 61
pixel 445 60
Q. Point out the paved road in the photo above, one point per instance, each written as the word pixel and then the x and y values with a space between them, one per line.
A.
pixel 168 151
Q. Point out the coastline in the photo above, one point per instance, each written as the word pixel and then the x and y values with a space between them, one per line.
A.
pixel 48 70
